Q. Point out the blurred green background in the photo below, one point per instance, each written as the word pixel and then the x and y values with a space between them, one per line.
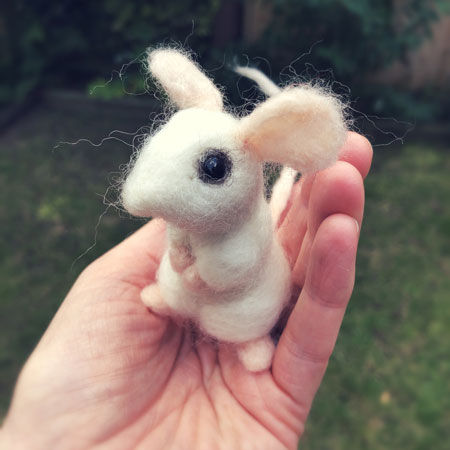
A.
pixel 72 76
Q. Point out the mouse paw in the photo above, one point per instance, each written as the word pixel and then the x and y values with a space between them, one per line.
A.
pixel 152 298
pixel 191 278
pixel 256 355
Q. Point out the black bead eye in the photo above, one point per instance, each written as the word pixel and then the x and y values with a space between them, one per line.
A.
pixel 214 167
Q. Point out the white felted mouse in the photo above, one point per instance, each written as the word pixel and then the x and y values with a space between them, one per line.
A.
pixel 202 172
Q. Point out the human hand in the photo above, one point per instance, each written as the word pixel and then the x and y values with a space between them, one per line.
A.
pixel 108 373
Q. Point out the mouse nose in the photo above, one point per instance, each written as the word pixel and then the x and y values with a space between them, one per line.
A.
pixel 136 198
pixel 133 202
pixel 144 196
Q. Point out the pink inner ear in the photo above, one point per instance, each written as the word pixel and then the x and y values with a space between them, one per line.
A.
pixel 272 131
pixel 301 127
pixel 247 145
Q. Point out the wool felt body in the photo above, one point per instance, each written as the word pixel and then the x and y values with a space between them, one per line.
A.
pixel 202 172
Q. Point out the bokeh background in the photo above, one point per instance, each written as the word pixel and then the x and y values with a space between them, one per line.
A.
pixel 75 101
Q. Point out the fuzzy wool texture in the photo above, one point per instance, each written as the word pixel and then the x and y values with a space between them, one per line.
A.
pixel 183 81
pixel 301 127
pixel 265 84
pixel 223 267
pixel 281 192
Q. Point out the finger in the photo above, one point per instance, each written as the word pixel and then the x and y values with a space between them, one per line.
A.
pixel 137 258
pixel 336 190
pixel 310 334
pixel 357 151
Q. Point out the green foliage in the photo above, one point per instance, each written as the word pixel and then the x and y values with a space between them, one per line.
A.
pixel 418 107
pixel 132 84
pixel 79 44
pixel 354 39
pixel 70 43
pixel 358 36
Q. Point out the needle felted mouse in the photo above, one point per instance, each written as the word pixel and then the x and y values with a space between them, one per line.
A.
pixel 202 172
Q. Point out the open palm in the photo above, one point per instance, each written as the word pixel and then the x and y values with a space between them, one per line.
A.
pixel 108 373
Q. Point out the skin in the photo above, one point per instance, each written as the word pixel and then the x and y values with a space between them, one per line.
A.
pixel 108 373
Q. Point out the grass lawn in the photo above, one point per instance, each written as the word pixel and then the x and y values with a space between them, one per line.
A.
pixel 388 383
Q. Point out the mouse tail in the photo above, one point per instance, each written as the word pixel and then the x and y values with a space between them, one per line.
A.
pixel 265 84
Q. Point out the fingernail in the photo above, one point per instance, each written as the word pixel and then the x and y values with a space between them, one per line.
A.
pixel 357 225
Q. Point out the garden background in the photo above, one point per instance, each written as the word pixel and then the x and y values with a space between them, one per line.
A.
pixel 75 101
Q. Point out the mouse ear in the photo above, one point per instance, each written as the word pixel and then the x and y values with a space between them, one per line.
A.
pixel 302 127
pixel 184 82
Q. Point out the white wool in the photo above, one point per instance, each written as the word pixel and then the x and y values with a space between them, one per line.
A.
pixel 237 255
pixel 164 181
pixel 186 85
pixel 301 127
pixel 265 84
pixel 223 266
pixel 281 192
pixel 233 315
pixel 257 355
